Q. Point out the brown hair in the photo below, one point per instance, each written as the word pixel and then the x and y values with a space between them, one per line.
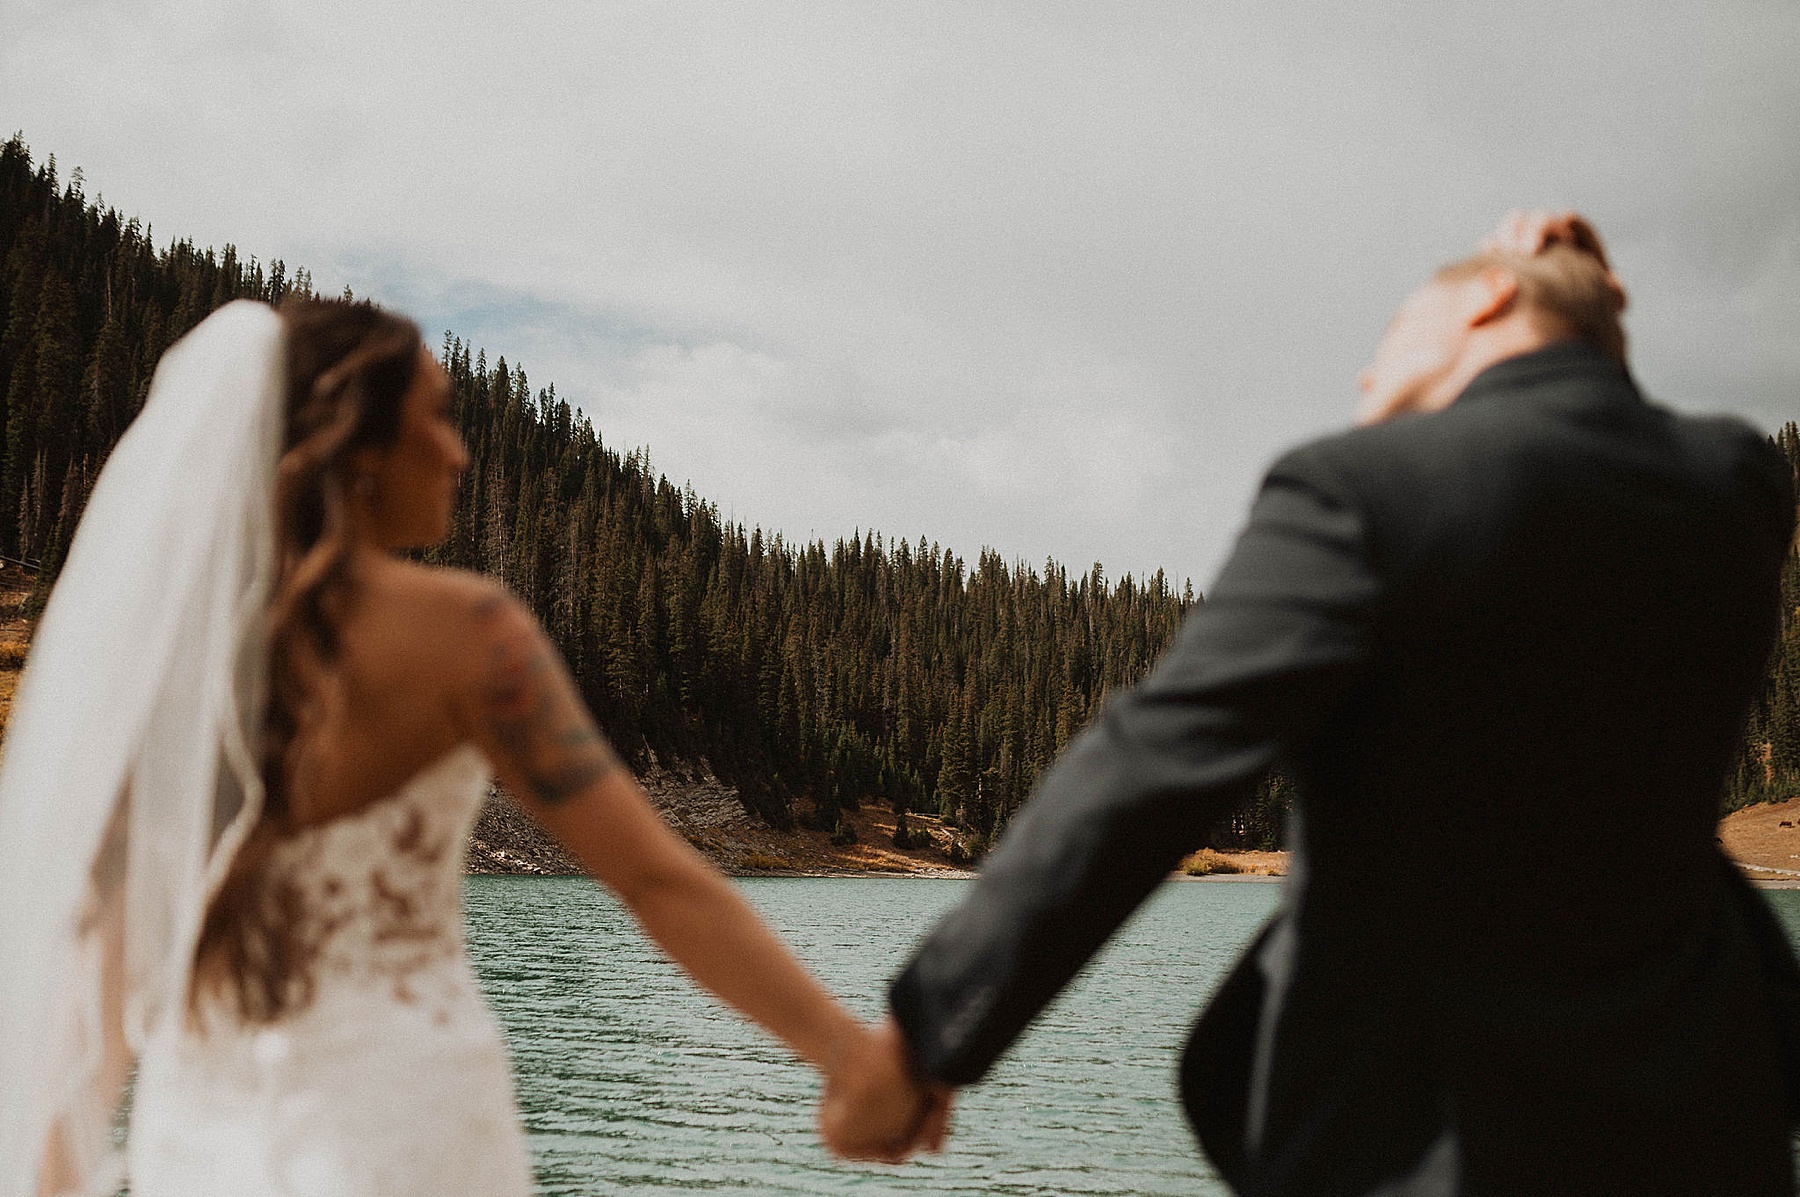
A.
pixel 348 367
pixel 1569 290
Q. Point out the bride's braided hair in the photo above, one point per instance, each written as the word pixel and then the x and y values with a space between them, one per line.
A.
pixel 348 367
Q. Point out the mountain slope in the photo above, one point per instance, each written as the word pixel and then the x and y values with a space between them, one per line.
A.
pixel 811 681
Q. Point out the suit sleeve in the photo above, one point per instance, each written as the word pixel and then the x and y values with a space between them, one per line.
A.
pixel 1262 662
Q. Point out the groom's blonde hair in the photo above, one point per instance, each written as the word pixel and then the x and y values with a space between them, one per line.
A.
pixel 1569 291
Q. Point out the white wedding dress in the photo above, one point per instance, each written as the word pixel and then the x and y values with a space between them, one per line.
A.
pixel 393 1079
pixel 129 781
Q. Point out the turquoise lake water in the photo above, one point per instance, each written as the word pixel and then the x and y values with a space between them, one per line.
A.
pixel 631 1079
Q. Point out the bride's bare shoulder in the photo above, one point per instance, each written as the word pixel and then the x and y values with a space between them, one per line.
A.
pixel 428 587
pixel 450 614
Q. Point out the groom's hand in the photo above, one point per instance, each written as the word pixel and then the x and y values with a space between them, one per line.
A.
pixel 876 1107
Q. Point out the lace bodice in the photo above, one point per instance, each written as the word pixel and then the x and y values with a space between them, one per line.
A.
pixel 376 895
pixel 390 1077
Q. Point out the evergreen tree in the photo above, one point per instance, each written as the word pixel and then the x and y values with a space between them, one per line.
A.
pixel 1768 761
pixel 814 678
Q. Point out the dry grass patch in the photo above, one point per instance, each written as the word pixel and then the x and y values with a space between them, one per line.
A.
pixel 1208 863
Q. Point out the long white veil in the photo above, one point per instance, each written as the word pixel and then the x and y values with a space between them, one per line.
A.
pixel 129 771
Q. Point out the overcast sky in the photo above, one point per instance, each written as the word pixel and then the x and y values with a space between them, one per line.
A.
pixel 1056 278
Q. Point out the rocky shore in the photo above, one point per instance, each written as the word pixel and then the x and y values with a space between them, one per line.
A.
pixel 709 815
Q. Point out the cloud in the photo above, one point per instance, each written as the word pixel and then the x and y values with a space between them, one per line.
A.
pixel 1060 278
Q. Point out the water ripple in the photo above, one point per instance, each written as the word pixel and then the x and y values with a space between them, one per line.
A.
pixel 630 1078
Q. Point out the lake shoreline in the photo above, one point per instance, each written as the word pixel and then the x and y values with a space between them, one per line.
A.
pixel 1763 840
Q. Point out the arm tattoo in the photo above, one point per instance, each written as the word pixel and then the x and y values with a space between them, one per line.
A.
pixel 530 706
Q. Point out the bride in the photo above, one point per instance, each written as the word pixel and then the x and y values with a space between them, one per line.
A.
pixel 250 743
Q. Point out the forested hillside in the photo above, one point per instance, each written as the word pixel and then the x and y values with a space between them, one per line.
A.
pixel 812 677
pixel 1769 762
pixel 799 671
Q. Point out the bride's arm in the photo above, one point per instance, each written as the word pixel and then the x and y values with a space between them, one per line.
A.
pixel 524 711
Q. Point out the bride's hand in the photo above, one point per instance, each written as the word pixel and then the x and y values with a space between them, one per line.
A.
pixel 875 1106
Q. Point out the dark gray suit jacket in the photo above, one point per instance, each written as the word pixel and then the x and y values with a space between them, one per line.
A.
pixel 1505 652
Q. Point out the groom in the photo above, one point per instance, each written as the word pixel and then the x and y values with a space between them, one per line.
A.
pixel 1503 637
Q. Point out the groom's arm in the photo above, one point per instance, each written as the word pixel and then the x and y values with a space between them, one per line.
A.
pixel 1270 654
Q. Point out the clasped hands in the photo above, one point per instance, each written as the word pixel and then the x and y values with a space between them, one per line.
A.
pixel 876 1106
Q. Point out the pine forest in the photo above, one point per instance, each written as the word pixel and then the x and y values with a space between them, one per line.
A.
pixel 813 677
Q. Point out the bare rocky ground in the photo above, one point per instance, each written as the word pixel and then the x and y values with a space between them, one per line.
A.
pixel 708 814
pixel 505 840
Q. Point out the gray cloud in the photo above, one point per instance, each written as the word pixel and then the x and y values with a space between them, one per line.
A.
pixel 1059 278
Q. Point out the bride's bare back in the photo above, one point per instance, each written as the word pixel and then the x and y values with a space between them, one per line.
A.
pixel 429 660
pixel 416 651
